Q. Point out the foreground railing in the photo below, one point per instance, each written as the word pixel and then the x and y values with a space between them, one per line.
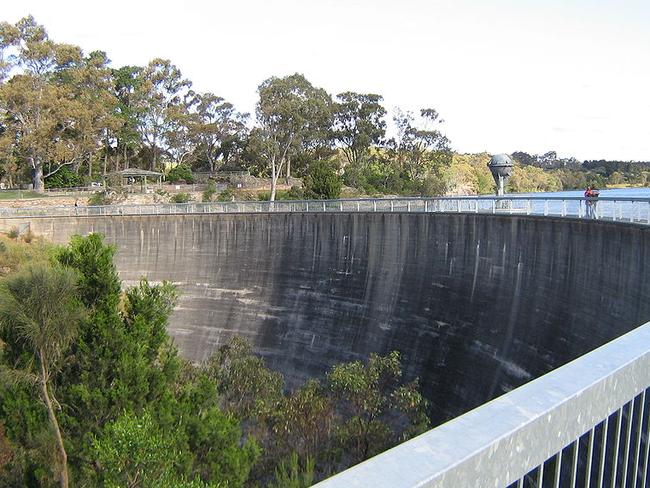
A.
pixel 623 209
pixel 582 425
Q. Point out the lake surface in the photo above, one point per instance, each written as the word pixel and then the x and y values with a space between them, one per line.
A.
pixel 612 193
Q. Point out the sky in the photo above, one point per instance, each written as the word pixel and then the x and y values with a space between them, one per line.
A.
pixel 533 75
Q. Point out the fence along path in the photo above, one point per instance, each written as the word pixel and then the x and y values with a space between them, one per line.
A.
pixel 603 208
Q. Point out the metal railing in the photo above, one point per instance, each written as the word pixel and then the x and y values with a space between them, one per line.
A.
pixel 606 208
pixel 582 425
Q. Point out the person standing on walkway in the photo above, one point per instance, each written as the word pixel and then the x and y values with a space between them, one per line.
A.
pixel 591 193
pixel 587 202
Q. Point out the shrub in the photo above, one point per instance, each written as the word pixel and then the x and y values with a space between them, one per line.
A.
pixel 226 196
pixel 322 182
pixel 181 198
pixel 100 198
pixel 13 233
pixel 64 178
pixel 179 173
pixel 209 192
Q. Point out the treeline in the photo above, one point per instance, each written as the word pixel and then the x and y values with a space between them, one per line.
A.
pixel 63 110
pixel 93 392
pixel 570 174
pixel 68 118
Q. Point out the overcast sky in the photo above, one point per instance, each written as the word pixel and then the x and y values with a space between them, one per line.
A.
pixel 506 75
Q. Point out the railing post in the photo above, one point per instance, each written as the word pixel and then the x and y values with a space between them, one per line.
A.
pixel 374 205
pixel 545 207
pixel 408 206
pixel 341 206
pixel 563 208
pixel 307 206
pixel 426 206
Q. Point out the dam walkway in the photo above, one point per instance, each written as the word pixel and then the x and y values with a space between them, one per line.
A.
pixel 605 208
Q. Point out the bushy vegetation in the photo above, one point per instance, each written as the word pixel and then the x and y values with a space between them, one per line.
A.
pixel 209 192
pixel 100 198
pixel 115 405
pixel 64 178
pixel 180 173
pixel 322 182
pixel 181 197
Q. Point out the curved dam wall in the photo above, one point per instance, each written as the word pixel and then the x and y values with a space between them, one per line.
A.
pixel 477 304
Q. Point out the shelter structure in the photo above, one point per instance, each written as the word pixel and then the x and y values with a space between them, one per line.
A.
pixel 134 176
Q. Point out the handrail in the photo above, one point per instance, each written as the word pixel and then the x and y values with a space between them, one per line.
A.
pixel 531 432
pixel 630 209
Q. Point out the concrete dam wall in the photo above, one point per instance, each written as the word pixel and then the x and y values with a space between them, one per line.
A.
pixel 477 304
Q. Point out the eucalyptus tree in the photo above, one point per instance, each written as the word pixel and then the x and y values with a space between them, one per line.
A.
pixel 419 149
pixel 162 97
pixel 90 82
pixel 55 106
pixel 290 111
pixel 39 314
pixel 127 88
pixel 217 129
pixel 358 123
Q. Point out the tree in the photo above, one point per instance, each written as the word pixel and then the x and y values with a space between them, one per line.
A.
pixel 216 129
pixel 39 314
pixel 133 451
pixel 418 151
pixel 247 388
pixel 322 182
pixel 358 123
pixel 162 100
pixel 290 111
pixel 368 395
pixel 128 90
pixel 56 106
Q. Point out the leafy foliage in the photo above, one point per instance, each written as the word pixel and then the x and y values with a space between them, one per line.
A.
pixel 322 182
pixel 100 198
pixel 209 191
pixel 181 197
pixel 180 173
pixel 64 178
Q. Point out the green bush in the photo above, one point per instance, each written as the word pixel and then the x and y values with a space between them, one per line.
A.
pixel 322 182
pixel 181 198
pixel 100 198
pixel 226 196
pixel 64 178
pixel 180 173
pixel 209 192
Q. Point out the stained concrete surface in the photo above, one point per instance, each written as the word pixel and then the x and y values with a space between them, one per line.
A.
pixel 476 304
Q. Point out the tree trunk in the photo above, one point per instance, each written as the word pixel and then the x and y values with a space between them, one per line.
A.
pixel 37 177
pixel 106 154
pixel 63 475
pixel 274 185
pixel 288 170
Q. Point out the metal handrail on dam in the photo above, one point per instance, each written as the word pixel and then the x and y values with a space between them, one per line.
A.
pixel 606 208
pixel 583 424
